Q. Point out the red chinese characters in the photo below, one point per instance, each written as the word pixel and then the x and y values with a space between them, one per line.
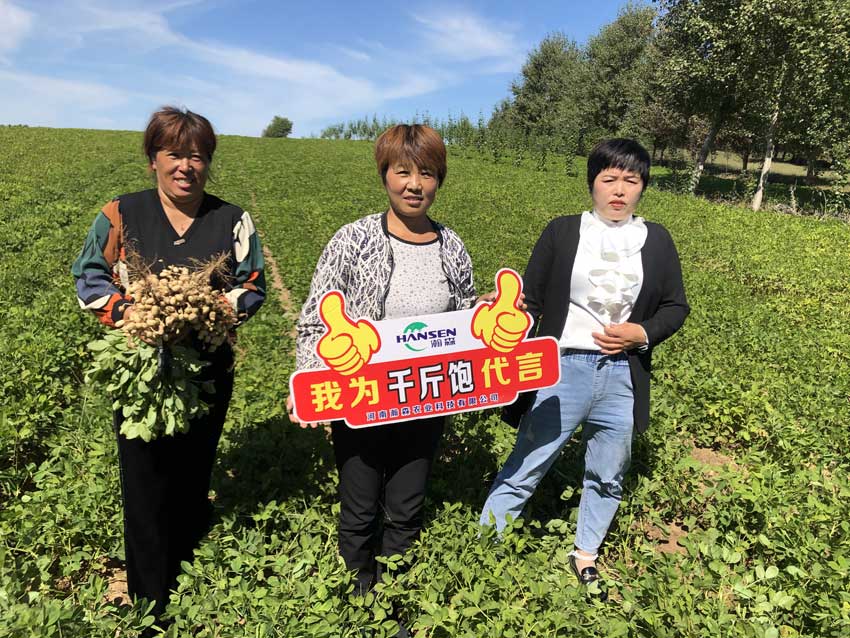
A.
pixel 426 386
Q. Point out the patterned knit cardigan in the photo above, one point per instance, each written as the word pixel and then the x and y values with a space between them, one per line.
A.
pixel 358 261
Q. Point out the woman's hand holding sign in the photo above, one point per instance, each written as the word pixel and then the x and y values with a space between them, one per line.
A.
pixel 347 346
pixel 502 325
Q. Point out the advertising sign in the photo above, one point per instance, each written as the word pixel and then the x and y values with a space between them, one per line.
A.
pixel 381 372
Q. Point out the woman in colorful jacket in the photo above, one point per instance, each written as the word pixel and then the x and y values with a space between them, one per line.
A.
pixel 165 482
pixel 608 286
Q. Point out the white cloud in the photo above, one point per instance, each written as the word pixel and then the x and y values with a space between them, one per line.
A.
pixel 247 62
pixel 132 44
pixel 15 24
pixel 412 87
pixel 46 101
pixel 360 56
pixel 303 90
pixel 148 23
pixel 466 37
pixel 151 28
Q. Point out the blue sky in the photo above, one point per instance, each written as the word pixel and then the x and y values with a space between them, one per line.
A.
pixel 109 64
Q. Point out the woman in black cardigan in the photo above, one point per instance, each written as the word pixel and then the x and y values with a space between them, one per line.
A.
pixel 608 286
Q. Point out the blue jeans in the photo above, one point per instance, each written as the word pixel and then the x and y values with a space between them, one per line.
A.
pixel 595 390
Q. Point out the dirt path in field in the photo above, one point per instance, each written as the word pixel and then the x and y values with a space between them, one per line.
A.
pixel 667 541
pixel 116 588
pixel 712 458
pixel 274 278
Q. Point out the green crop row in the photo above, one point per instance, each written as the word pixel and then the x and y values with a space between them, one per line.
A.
pixel 735 521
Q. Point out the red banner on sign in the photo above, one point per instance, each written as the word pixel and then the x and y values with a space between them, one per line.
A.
pixel 426 386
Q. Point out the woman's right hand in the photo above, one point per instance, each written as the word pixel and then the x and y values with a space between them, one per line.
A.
pixel 125 319
pixel 619 337
pixel 290 405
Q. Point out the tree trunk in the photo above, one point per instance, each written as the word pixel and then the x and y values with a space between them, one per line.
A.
pixel 703 152
pixel 768 151
pixel 661 159
pixel 768 159
pixel 811 171
pixel 745 159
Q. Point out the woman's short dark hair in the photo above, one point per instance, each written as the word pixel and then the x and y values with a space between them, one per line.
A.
pixel 416 143
pixel 178 129
pixel 619 152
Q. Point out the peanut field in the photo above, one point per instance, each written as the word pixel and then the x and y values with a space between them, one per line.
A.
pixel 736 519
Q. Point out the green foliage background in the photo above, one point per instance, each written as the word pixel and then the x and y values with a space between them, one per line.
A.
pixel 757 380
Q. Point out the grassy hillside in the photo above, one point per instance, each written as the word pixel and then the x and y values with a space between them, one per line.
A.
pixel 735 521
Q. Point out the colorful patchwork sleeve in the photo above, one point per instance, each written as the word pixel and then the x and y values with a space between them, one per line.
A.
pixel 98 287
pixel 249 286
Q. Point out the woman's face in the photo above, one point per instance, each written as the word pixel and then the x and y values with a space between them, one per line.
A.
pixel 411 190
pixel 616 193
pixel 181 175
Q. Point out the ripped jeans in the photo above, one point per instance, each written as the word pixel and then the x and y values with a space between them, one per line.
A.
pixel 596 390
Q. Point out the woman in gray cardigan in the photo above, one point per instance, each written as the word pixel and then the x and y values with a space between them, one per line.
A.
pixel 608 286
pixel 398 263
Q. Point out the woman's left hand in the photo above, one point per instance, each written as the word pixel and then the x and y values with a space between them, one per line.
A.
pixel 619 337
pixel 491 297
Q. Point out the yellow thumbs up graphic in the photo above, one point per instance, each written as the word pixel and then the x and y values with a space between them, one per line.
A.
pixel 347 345
pixel 501 325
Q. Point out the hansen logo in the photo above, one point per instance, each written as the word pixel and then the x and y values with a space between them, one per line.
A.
pixel 416 334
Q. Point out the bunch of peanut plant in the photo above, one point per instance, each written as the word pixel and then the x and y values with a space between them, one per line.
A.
pixel 157 389
pixel 151 368
pixel 176 303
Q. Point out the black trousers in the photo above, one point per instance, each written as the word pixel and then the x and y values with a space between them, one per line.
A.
pixel 383 471
pixel 165 485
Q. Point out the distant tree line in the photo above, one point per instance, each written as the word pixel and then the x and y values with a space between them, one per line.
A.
pixel 760 79
pixel 455 130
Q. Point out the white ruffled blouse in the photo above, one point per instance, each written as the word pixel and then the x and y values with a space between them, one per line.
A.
pixel 606 279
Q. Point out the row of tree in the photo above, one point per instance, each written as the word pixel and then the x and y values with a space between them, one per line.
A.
pixel 748 76
pixel 458 131
pixel 744 75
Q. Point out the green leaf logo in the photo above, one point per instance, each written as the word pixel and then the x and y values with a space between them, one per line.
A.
pixel 416 326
